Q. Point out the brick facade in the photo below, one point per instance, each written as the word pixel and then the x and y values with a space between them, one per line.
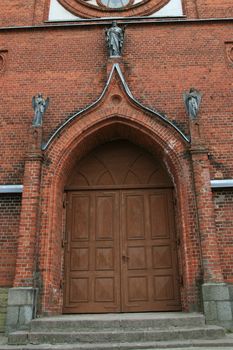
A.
pixel 69 63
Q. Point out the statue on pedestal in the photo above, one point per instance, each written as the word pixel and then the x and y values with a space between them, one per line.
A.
pixel 192 101
pixel 115 39
pixel 39 105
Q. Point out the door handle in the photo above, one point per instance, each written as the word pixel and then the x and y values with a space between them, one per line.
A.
pixel 125 257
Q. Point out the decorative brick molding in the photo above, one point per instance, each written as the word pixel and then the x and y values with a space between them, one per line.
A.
pixel 83 9
pixel 29 220
pixel 209 245
pixel 3 60
pixel 229 51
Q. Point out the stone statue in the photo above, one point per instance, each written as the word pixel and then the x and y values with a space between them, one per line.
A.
pixel 39 105
pixel 192 101
pixel 115 39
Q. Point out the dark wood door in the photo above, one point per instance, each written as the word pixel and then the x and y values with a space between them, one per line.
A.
pixel 121 252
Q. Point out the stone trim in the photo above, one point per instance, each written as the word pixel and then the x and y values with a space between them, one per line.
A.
pixel 218 304
pixel 224 183
pixel 21 308
pixel 11 188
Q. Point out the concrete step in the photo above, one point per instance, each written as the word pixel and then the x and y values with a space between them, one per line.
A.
pixel 118 321
pixel 118 331
pixel 117 336
pixel 219 344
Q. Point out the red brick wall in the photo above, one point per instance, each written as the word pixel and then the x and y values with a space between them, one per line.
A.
pixel 10 205
pixel 224 225
pixel 214 8
pixel 16 12
pixel 30 12
pixel 161 62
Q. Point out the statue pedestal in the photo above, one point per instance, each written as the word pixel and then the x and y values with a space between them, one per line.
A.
pixel 113 60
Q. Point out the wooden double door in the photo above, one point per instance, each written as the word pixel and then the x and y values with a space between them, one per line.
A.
pixel 121 253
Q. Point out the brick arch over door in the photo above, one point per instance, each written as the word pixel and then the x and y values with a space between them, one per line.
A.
pixel 118 164
pixel 79 139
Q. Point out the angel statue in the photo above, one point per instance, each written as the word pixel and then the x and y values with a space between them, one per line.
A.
pixel 39 105
pixel 115 39
pixel 192 101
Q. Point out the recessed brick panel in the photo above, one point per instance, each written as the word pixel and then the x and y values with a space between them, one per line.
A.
pixel 224 226
pixel 10 205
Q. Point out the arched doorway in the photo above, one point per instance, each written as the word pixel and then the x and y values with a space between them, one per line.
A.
pixel 121 253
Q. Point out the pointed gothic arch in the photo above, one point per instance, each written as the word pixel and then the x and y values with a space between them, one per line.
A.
pixel 115 115
pixel 76 141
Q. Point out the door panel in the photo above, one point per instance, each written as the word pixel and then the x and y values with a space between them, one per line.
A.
pixel 149 259
pixel 92 254
pixel 104 218
pixel 80 218
pixel 159 215
pixel 134 218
